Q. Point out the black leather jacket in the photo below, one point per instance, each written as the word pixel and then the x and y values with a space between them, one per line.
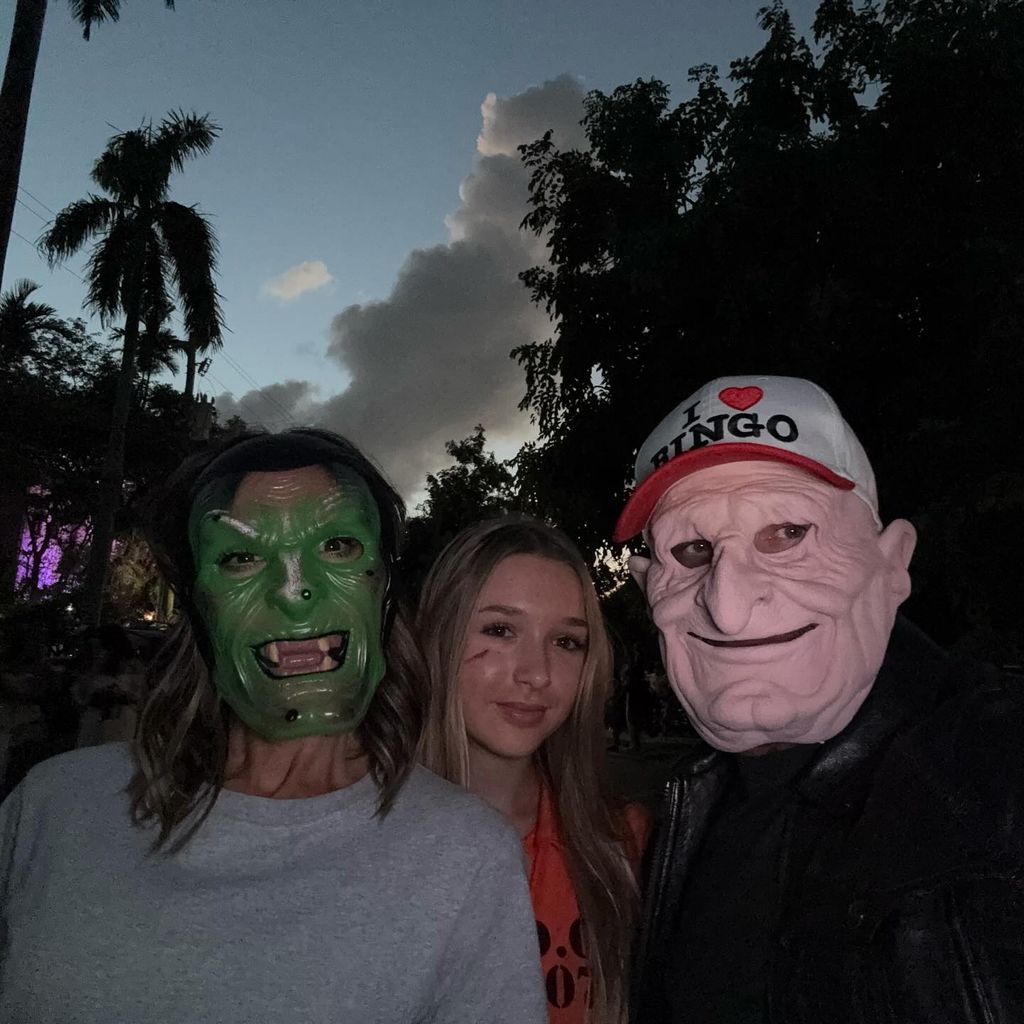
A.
pixel 903 868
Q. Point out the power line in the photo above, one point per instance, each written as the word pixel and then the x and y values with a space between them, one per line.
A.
pixel 243 373
pixel 242 404
pixel 32 245
pixel 21 188
pixel 35 213
pixel 257 389
pixel 286 416
pixel 239 369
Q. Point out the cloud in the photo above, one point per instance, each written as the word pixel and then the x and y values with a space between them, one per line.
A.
pixel 298 280
pixel 431 360
pixel 511 121
pixel 275 407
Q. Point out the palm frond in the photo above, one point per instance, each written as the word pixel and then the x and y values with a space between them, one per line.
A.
pixel 17 296
pixel 22 323
pixel 158 361
pixel 181 136
pixel 156 304
pixel 112 264
pixel 74 226
pixel 92 12
pixel 131 170
pixel 156 351
pixel 157 354
pixel 16 310
pixel 136 165
pixel 192 251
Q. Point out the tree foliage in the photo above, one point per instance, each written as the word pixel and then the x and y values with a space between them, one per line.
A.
pixel 148 246
pixel 476 487
pixel 16 90
pixel 58 383
pixel 851 213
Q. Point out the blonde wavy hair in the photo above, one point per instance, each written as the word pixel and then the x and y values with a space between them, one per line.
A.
pixel 598 841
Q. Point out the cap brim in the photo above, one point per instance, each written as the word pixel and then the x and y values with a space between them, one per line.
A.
pixel 641 502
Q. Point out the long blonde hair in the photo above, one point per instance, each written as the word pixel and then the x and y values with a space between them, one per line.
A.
pixel 595 834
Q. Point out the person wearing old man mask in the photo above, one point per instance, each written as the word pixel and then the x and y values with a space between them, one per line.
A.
pixel 266 849
pixel 847 846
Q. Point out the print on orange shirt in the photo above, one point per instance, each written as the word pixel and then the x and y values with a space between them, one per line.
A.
pixel 562 955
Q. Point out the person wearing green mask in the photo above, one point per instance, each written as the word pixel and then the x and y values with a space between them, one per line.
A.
pixel 266 848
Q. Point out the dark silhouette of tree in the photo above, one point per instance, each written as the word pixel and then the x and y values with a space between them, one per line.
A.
pixel 56 422
pixel 853 215
pixel 147 243
pixel 476 487
pixel 27 328
pixel 54 377
pixel 34 341
pixel 16 91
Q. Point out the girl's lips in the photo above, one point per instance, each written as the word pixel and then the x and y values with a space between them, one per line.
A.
pixel 525 715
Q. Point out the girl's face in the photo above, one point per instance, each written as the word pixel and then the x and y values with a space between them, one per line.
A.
pixel 525 646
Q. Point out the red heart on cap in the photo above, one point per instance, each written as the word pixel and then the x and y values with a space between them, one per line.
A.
pixel 741 398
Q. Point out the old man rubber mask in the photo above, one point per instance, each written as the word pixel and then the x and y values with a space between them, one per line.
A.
pixel 290 584
pixel 774 593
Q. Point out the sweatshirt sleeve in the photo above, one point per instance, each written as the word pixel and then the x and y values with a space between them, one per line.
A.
pixel 10 812
pixel 491 969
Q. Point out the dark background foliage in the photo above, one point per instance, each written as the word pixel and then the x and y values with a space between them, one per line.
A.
pixel 846 208
pixel 849 211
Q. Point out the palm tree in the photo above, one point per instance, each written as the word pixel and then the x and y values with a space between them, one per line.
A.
pixel 155 353
pixel 146 242
pixel 16 92
pixel 24 324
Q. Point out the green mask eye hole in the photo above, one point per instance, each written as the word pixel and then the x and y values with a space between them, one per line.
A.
pixel 239 564
pixel 342 549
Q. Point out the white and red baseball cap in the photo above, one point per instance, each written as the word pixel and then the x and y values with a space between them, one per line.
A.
pixel 740 419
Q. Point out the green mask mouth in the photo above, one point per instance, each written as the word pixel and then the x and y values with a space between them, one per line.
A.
pixel 285 657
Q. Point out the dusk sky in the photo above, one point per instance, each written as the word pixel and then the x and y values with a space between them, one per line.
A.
pixel 365 189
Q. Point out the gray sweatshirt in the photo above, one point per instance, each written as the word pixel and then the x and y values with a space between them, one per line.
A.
pixel 303 911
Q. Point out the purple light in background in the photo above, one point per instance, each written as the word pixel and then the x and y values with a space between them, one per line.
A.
pixel 68 537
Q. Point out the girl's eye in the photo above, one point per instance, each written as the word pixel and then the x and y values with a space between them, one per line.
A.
pixel 240 563
pixel 342 549
pixel 572 643
pixel 497 629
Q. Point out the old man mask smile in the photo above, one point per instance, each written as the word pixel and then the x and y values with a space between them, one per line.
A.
pixel 290 584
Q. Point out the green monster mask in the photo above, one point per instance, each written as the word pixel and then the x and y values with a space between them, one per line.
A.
pixel 290 583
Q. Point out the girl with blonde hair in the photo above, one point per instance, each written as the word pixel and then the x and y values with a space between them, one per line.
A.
pixel 520 670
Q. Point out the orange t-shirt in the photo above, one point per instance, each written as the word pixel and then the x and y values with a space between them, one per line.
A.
pixel 562 954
